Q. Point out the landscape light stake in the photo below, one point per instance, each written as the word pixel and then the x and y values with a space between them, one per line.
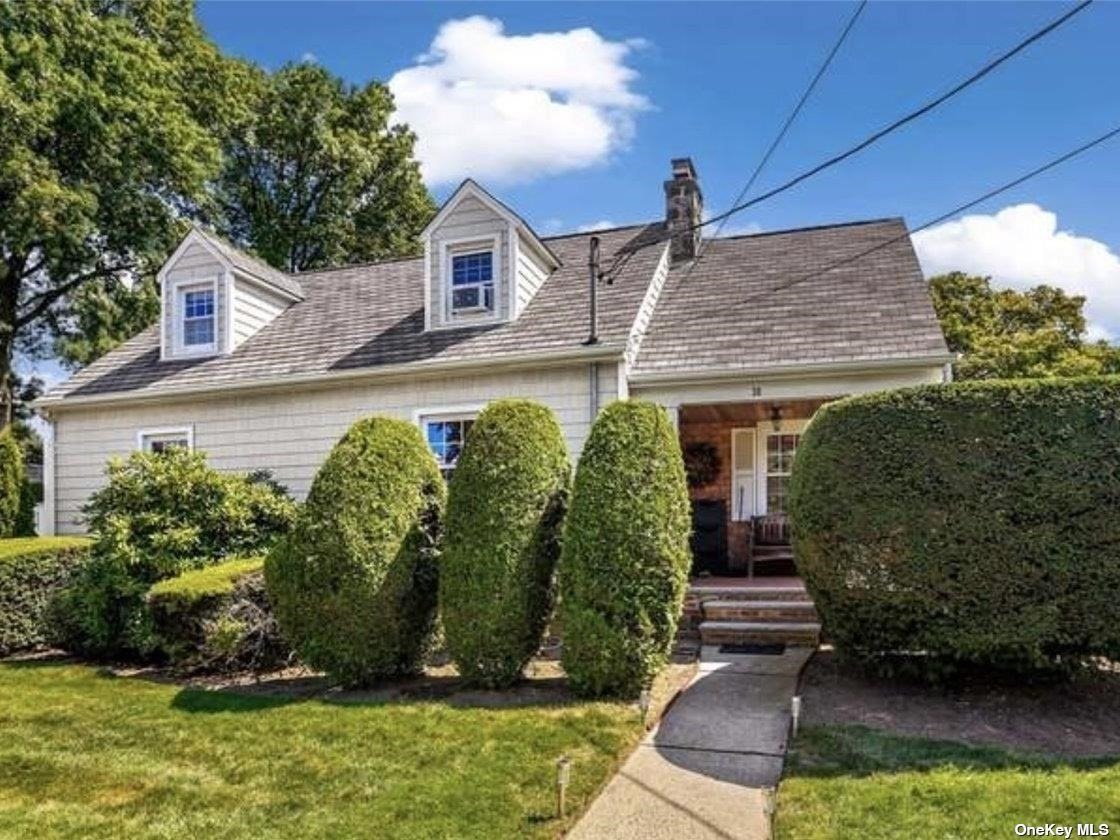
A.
pixel 795 712
pixel 643 704
pixel 563 776
pixel 768 807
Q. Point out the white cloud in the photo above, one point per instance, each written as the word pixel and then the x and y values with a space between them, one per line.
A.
pixel 512 108
pixel 1021 246
pixel 309 58
pixel 602 224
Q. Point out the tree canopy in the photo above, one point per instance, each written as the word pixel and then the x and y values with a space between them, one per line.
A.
pixel 319 177
pixel 112 116
pixel 1008 334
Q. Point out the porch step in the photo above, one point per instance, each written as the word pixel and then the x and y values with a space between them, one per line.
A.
pixel 709 594
pixel 764 611
pixel 794 634
pixel 772 550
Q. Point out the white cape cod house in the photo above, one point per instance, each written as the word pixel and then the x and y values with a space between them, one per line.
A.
pixel 265 370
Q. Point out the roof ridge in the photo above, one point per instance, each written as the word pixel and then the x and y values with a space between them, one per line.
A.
pixel 600 230
pixel 369 263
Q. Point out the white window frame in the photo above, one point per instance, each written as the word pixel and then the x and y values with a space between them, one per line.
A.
pixel 145 436
pixel 178 302
pixel 747 479
pixel 762 465
pixel 422 417
pixel 450 248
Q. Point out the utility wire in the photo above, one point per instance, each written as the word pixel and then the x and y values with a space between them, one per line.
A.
pixel 878 135
pixel 781 133
pixel 1058 161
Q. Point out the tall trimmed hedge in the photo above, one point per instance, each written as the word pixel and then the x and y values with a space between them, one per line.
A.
pixel 354 586
pixel 11 482
pixel 969 523
pixel 32 573
pixel 625 561
pixel 505 512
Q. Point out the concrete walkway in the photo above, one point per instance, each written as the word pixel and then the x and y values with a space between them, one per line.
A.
pixel 701 773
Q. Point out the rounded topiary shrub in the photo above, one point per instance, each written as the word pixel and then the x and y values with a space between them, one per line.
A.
pixel 625 561
pixel 354 585
pixel 970 523
pixel 505 511
pixel 11 482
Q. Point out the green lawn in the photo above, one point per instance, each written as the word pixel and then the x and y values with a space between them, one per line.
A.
pixel 850 781
pixel 88 755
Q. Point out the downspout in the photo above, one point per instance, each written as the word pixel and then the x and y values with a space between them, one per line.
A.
pixel 593 296
pixel 593 391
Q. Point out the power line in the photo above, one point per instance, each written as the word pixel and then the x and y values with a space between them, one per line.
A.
pixel 1058 161
pixel 781 133
pixel 879 135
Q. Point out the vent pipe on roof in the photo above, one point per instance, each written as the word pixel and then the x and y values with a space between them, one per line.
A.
pixel 593 276
pixel 684 210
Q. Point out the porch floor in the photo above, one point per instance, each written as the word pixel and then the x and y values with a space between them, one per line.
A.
pixel 745 583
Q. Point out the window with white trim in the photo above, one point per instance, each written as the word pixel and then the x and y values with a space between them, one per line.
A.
pixel 446 435
pixel 197 319
pixel 161 440
pixel 781 447
pixel 472 282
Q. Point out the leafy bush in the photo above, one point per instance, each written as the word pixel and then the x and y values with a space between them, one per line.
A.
pixel 30 495
pixel 505 510
pixel 218 618
pixel 970 523
pixel 354 586
pixel 625 560
pixel 32 573
pixel 159 515
pixel 11 482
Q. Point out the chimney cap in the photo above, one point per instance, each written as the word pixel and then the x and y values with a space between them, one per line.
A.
pixel 683 170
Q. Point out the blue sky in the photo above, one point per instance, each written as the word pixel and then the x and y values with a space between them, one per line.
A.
pixel 715 80
pixel 570 112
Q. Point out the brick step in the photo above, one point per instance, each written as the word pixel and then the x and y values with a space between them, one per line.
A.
pixel 760 632
pixel 774 611
pixel 753 593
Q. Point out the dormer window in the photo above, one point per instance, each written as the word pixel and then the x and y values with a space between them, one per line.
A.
pixel 196 317
pixel 472 282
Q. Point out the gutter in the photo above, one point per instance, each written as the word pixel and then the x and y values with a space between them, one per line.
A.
pixel 701 375
pixel 550 358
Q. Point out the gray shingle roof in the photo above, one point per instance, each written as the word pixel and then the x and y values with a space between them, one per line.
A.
pixel 371 315
pixel 737 310
pixel 761 301
pixel 251 265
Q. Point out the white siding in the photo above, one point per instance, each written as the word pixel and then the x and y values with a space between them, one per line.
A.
pixel 195 263
pixel 291 432
pixel 254 306
pixel 531 273
pixel 469 220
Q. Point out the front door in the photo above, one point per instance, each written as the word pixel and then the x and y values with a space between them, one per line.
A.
pixel 762 463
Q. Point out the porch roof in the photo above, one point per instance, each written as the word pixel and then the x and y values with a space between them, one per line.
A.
pixel 813 296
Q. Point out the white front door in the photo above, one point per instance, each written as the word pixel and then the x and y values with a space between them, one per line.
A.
pixel 762 462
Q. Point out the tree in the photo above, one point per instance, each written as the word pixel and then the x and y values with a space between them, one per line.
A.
pixel 112 116
pixel 104 314
pixel 1005 334
pixel 319 177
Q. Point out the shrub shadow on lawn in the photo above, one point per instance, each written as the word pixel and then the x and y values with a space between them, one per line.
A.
pixel 858 751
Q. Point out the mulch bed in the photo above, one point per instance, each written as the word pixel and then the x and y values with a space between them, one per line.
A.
pixel 1076 718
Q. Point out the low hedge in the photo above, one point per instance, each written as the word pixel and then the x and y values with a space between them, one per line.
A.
pixel 505 512
pixel 218 618
pixel 354 585
pixel 625 560
pixel 969 523
pixel 32 572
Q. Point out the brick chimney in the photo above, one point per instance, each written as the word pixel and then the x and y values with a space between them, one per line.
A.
pixel 684 206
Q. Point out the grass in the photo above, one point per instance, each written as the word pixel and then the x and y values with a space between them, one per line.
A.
pixel 207 582
pixel 83 754
pixel 851 781
pixel 23 546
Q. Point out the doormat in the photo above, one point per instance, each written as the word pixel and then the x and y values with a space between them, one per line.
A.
pixel 754 650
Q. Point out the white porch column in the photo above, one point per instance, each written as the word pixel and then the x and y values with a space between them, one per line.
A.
pixel 674 412
pixel 49 524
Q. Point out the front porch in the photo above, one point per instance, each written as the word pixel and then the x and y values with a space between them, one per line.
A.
pixel 739 459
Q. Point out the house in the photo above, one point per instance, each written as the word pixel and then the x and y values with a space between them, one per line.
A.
pixel 741 339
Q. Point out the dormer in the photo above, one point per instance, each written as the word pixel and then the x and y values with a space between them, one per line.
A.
pixel 215 297
pixel 482 263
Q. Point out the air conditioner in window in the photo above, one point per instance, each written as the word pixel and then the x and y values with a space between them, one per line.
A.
pixel 469 299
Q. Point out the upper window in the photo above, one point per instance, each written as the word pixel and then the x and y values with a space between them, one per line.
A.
pixel 446 436
pixel 472 282
pixel 197 307
pixel 161 440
